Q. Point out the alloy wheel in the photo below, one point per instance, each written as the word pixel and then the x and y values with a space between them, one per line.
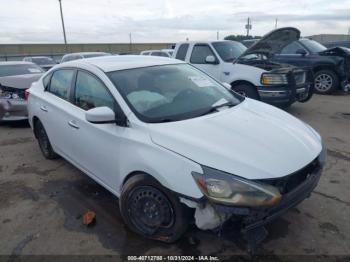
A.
pixel 323 82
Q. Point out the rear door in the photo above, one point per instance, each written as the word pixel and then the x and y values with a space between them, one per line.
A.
pixel 55 109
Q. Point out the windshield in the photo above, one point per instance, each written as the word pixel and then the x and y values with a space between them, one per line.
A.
pixel 170 92
pixel 95 55
pixel 229 51
pixel 12 70
pixel 43 60
pixel 313 46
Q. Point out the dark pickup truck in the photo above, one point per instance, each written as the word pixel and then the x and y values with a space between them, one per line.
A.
pixel 330 66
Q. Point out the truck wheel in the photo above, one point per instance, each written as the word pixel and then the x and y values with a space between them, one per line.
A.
pixel 246 90
pixel 44 142
pixel 151 210
pixel 325 82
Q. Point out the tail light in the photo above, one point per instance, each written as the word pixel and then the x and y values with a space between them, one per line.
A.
pixel 26 94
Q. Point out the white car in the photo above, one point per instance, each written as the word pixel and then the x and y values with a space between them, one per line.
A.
pixel 81 55
pixel 165 138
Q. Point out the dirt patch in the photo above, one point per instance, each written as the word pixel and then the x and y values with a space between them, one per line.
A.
pixel 329 227
pixel 16 141
pixel 339 155
pixel 10 192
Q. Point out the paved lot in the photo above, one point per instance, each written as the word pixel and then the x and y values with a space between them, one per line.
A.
pixel 42 201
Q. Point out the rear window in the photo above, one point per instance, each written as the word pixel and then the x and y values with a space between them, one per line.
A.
pixel 43 60
pixel 13 70
pixel 182 51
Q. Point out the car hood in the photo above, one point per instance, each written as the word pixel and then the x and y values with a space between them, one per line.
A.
pixel 252 140
pixel 274 42
pixel 19 81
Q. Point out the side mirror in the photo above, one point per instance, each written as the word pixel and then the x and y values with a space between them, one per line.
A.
pixel 100 115
pixel 227 85
pixel 210 59
pixel 301 52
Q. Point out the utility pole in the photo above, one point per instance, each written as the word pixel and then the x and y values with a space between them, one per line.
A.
pixel 64 29
pixel 130 42
pixel 248 26
pixel 349 33
pixel 217 35
pixel 276 21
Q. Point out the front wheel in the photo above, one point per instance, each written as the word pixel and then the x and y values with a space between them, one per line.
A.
pixel 151 210
pixel 246 90
pixel 325 82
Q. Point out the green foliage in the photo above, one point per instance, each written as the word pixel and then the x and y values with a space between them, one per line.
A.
pixel 240 37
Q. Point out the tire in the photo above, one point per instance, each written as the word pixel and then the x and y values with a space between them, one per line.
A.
pixel 151 210
pixel 246 90
pixel 44 142
pixel 325 82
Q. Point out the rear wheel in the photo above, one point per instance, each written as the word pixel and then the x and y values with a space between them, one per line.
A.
pixel 325 82
pixel 246 90
pixel 44 142
pixel 151 210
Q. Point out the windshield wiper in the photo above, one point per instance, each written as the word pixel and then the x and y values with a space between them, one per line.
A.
pixel 215 108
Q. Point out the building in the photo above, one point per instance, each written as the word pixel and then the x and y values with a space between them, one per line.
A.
pixel 326 38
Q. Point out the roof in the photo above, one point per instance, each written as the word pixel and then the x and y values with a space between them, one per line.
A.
pixel 204 41
pixel 115 63
pixel 16 63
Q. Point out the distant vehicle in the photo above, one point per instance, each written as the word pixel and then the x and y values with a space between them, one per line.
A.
pixel 43 61
pixel 248 73
pixel 162 52
pixel 175 145
pixel 15 78
pixel 331 67
pixel 337 43
pixel 81 55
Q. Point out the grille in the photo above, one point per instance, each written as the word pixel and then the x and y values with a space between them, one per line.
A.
pixel 289 183
pixel 299 78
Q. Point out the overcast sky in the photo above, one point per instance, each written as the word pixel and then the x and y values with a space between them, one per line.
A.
pixel 97 21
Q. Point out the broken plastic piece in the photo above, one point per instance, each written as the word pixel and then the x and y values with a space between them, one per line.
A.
pixel 89 217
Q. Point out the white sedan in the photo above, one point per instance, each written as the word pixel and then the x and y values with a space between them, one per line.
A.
pixel 166 139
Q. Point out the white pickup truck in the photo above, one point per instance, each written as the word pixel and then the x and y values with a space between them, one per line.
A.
pixel 249 71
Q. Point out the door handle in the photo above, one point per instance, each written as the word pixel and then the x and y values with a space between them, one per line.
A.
pixel 43 108
pixel 73 124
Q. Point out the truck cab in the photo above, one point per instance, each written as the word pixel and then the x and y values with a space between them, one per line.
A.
pixel 227 61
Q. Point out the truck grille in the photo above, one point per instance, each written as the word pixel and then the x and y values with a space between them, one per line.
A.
pixel 289 183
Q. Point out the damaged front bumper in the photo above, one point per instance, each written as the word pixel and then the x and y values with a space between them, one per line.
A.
pixel 294 189
pixel 13 110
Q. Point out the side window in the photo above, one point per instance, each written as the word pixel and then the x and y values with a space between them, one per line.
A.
pixel 61 81
pixel 291 49
pixel 91 92
pixel 46 80
pixel 199 54
pixel 182 51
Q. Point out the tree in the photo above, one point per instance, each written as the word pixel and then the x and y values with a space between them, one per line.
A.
pixel 240 37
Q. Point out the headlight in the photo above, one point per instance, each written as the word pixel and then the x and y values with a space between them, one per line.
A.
pixel 274 79
pixel 228 189
pixel 9 93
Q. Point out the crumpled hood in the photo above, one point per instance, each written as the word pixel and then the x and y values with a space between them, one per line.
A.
pixel 336 51
pixel 274 41
pixel 19 81
pixel 252 140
